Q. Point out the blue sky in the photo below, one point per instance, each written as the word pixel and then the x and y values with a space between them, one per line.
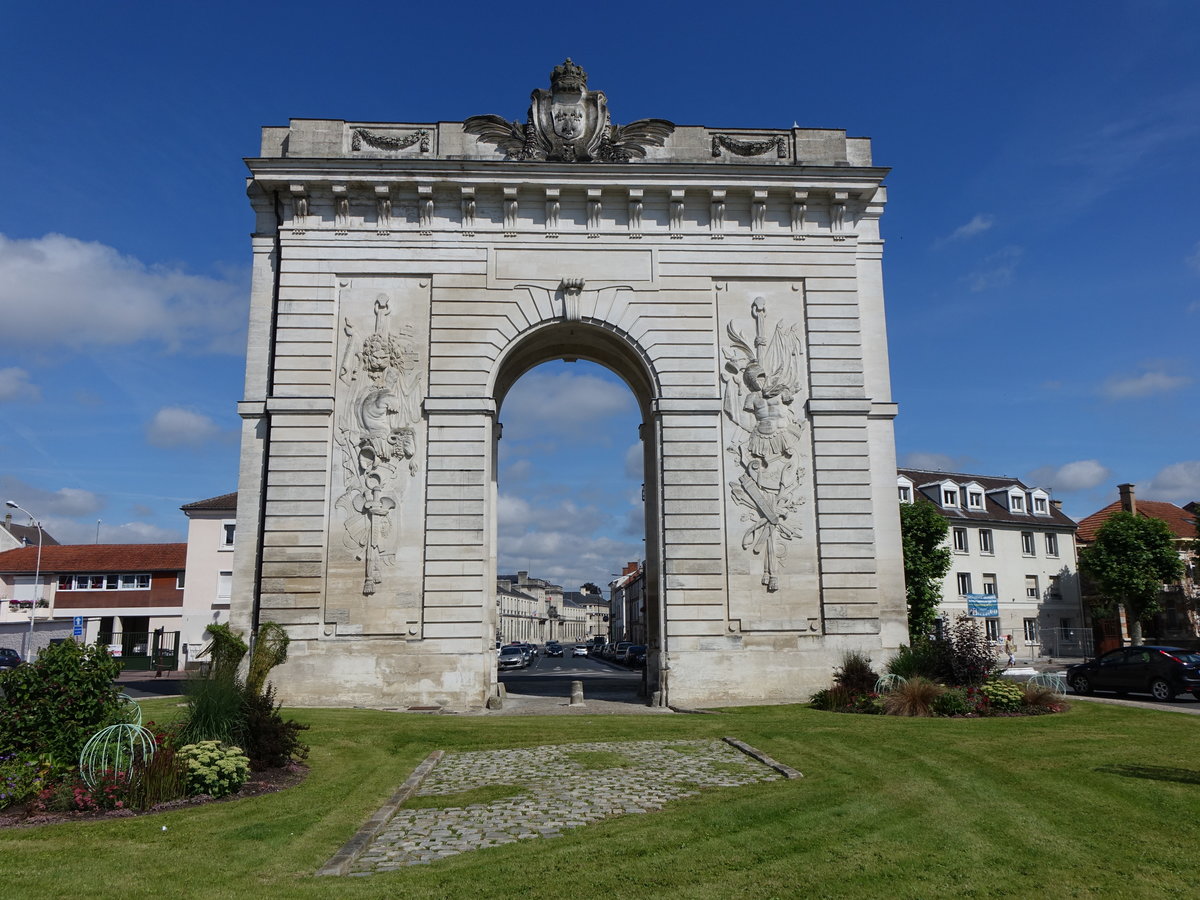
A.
pixel 1042 263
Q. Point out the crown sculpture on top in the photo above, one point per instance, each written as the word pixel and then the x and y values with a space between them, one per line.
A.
pixel 569 123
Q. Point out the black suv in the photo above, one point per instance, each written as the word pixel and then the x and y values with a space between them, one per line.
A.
pixel 9 659
pixel 554 648
pixel 1160 671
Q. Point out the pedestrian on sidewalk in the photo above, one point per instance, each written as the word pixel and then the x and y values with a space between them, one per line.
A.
pixel 1011 649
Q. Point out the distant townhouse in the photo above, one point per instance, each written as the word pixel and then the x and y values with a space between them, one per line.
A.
pixel 595 612
pixel 212 532
pixel 14 536
pixel 149 603
pixel 519 616
pixel 127 596
pixel 628 604
pixel 1013 559
pixel 1179 621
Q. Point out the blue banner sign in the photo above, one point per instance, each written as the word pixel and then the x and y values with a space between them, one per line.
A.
pixel 986 606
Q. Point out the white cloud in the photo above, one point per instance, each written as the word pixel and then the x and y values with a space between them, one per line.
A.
pixel 997 270
pixel 979 224
pixel 565 404
pixel 513 510
pixel 47 504
pixel 57 290
pixel 74 531
pixel 15 385
pixel 1081 475
pixel 1151 382
pixel 634 461
pixel 176 427
pixel 1178 483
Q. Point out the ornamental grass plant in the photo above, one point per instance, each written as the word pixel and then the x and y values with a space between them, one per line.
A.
pixel 914 697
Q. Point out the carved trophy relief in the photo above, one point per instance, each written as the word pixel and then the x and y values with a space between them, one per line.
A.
pixel 376 436
pixel 762 384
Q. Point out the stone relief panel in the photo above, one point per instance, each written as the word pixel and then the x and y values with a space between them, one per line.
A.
pixel 767 457
pixel 378 453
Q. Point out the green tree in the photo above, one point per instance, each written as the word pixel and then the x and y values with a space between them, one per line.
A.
pixel 926 562
pixel 1129 561
pixel 589 588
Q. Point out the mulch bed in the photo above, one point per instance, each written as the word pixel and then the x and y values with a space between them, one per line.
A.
pixel 268 781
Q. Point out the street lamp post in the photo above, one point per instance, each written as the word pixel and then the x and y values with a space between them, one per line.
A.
pixel 37 578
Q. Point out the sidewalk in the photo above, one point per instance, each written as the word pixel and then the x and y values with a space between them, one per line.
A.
pixel 142 685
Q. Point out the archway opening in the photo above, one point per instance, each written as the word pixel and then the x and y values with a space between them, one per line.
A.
pixel 575 494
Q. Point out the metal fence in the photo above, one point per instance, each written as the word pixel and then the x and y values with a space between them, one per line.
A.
pixel 1066 642
pixel 144 651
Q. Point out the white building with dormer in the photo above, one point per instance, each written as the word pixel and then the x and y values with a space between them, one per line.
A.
pixel 1013 562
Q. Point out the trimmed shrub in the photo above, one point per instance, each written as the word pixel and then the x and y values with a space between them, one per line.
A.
pixel 952 703
pixel 53 705
pixel 855 673
pixel 914 697
pixel 972 658
pixel 213 768
pixel 1003 695
pixel 269 740
pixel 270 649
pixel 925 658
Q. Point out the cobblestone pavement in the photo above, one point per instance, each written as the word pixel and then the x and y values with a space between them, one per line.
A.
pixel 558 791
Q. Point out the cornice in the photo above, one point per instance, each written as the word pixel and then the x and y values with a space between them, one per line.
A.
pixel 277 171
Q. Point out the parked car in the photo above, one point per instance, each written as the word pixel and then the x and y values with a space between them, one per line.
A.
pixel 529 651
pixel 512 658
pixel 580 650
pixel 9 659
pixel 1161 672
pixel 635 656
pixel 620 649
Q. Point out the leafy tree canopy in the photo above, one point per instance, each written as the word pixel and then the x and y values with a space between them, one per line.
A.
pixel 1130 560
pixel 589 588
pixel 926 561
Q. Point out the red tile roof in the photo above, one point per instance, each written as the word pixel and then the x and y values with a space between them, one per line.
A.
pixel 1181 522
pixel 97 558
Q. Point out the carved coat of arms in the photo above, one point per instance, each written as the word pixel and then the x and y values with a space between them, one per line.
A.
pixel 762 384
pixel 569 123
pixel 376 433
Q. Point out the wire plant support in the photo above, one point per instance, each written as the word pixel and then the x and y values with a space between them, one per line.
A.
pixel 117 750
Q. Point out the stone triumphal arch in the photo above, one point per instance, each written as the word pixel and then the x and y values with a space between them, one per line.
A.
pixel 405 275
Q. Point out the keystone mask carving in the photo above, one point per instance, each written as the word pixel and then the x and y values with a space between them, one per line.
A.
pixel 376 433
pixel 761 385
pixel 569 123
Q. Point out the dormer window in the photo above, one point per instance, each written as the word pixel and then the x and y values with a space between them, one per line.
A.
pixel 905 493
pixel 1041 503
pixel 973 492
pixel 1016 503
pixel 949 496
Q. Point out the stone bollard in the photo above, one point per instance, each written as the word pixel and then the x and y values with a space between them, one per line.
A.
pixel 577 693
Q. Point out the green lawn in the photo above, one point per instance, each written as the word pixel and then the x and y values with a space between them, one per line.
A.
pixel 1098 802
